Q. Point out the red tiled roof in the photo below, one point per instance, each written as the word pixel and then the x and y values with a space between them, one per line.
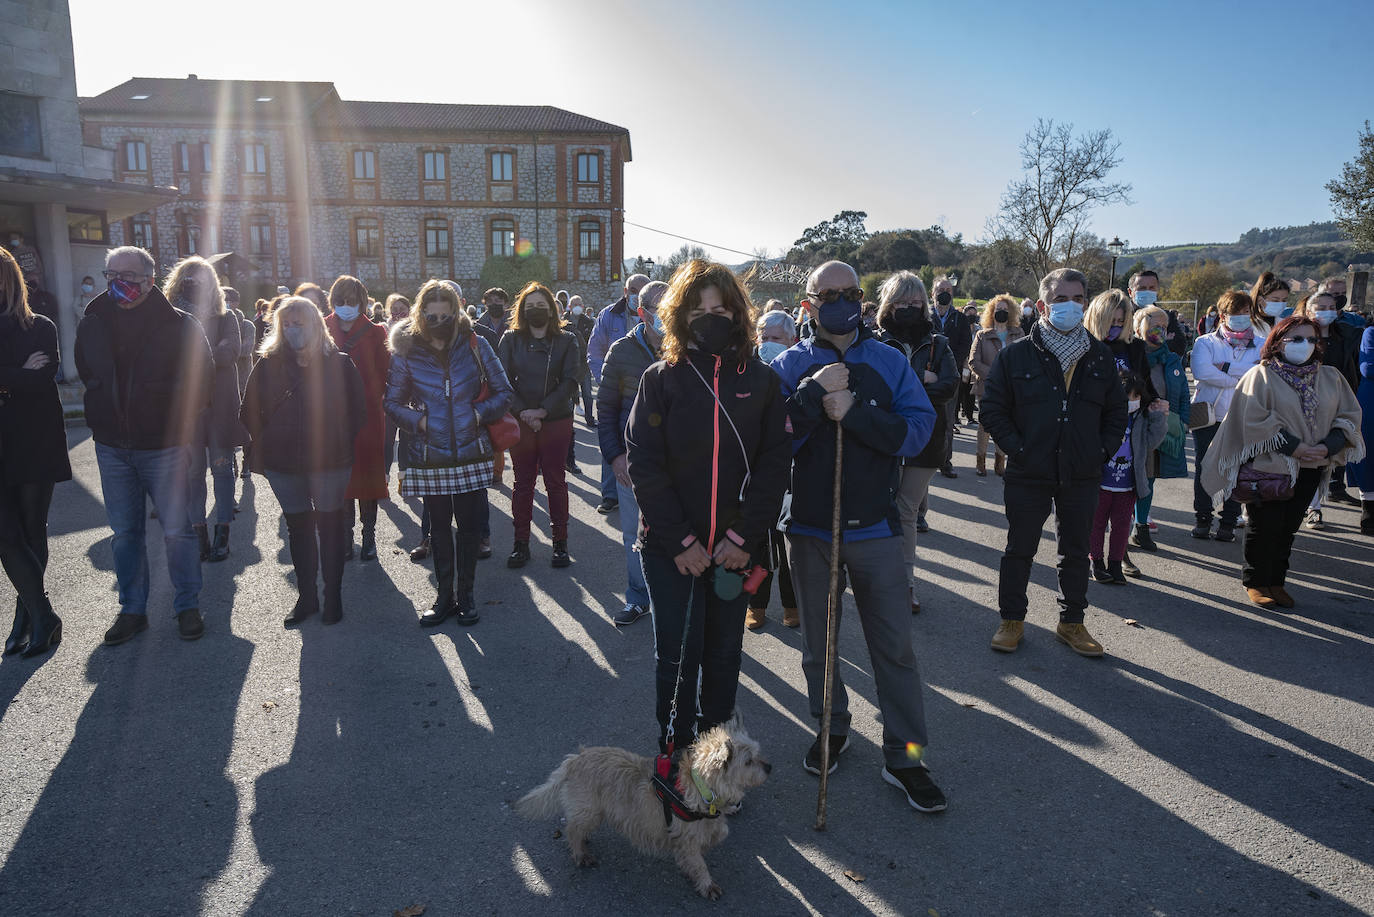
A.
pixel 200 97
pixel 437 116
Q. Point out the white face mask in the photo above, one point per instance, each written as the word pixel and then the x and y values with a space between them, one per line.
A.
pixel 577 310
pixel 1298 352
pixel 1274 308
pixel 1133 405
pixel 88 288
pixel 1325 317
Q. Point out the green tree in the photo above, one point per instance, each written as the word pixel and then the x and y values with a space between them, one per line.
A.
pixel 1204 281
pixel 837 238
pixel 869 283
pixel 677 259
pixel 889 251
pixel 1352 195
pixel 512 272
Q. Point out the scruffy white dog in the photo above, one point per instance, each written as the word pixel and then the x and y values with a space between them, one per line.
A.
pixel 616 786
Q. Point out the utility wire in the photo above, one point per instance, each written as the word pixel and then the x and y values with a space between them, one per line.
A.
pixel 724 248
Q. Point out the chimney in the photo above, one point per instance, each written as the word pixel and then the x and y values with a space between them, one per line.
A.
pixel 191 76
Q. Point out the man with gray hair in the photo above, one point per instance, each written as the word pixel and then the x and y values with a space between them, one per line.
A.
pixel 148 372
pixel 625 364
pixel 1054 404
pixel 612 324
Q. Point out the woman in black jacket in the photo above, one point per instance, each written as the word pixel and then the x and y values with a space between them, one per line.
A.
pixel 708 456
pixel 544 364
pixel 1110 319
pixel 904 317
pixel 33 457
pixel 303 409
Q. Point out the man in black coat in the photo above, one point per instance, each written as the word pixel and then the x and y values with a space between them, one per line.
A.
pixel 1054 404
pixel 148 373
pixel 953 324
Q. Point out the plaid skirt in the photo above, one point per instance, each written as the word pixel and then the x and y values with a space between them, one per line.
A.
pixel 441 482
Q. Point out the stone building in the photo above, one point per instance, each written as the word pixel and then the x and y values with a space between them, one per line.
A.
pixel 306 185
pixel 57 195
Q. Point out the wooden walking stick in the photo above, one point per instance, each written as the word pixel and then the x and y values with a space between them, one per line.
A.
pixel 832 630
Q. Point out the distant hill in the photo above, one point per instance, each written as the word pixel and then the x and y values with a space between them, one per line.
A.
pixel 1297 252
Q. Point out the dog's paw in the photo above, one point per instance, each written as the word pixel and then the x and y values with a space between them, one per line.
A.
pixel 587 859
pixel 711 892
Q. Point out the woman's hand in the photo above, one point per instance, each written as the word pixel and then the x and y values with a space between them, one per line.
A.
pixel 730 556
pixel 1159 406
pixel 621 466
pixel 37 360
pixel 1311 453
pixel 693 561
pixel 930 377
pixel 529 417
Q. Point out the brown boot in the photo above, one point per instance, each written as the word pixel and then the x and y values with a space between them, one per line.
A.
pixel 981 462
pixel 1000 465
pixel 790 618
pixel 755 618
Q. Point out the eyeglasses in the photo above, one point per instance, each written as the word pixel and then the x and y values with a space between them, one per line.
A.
pixel 126 276
pixel 825 297
pixel 901 303
pixel 1300 340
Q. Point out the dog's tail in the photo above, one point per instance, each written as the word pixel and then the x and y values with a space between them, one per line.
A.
pixel 545 801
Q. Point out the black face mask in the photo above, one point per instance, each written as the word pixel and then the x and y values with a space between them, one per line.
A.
pixel 944 298
pixel 1001 315
pixel 441 326
pixel 910 323
pixel 712 333
pixel 537 318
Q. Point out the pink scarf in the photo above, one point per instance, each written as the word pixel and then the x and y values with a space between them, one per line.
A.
pixel 1236 338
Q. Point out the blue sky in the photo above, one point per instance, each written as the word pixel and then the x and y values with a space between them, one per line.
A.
pixel 751 121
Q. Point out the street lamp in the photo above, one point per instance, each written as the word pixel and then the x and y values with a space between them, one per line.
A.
pixel 1116 247
pixel 649 268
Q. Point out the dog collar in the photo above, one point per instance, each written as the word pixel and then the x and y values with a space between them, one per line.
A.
pixel 707 796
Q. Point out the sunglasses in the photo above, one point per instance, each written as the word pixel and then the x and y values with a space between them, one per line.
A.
pixel 825 297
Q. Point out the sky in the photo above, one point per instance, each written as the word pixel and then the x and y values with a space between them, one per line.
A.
pixel 750 121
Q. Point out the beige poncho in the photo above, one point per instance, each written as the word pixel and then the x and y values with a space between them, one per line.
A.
pixel 1263 407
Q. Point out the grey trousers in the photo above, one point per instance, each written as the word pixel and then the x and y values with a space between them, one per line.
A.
pixel 876 572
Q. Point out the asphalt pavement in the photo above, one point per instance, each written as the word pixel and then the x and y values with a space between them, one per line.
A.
pixel 1218 760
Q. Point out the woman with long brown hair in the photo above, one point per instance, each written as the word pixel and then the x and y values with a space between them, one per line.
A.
pixel 708 454
pixel 33 457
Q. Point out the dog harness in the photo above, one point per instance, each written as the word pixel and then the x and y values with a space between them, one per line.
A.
pixel 665 788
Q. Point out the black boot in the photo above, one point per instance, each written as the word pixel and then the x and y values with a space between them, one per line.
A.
pixel 1100 571
pixel 444 568
pixel 305 557
pixel 368 551
pixel 1141 538
pixel 1130 568
pixel 1203 529
pixel 203 536
pixel 219 549
pixel 561 557
pixel 465 573
pixel 1367 517
pixel 519 556
pixel 367 509
pixel 19 633
pixel 47 629
pixel 1118 577
pixel 333 534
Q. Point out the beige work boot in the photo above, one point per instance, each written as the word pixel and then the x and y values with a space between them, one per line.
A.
pixel 790 618
pixel 1078 639
pixel 1008 636
pixel 754 619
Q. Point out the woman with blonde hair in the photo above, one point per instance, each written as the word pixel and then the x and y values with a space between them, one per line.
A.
pixel 708 455
pixel 998 326
pixel 544 366
pixel 303 409
pixel 1109 318
pixel 439 369
pixel 33 457
pixel 193 287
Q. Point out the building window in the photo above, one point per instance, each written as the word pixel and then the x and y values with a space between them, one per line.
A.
pixel 21 131
pixel 367 234
pixel 205 157
pixel 589 240
pixel 436 238
pixel 364 165
pixel 589 167
pixel 436 166
pixel 181 157
pixel 87 226
pixel 502 166
pixel 502 237
pixel 135 156
pixel 188 237
pixel 141 231
pixel 260 235
pixel 255 159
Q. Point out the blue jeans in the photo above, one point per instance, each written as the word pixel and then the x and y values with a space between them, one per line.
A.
pixel 128 477
pixel 637 591
pixel 221 464
pixel 609 489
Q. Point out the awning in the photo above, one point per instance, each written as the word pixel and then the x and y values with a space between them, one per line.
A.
pixel 118 199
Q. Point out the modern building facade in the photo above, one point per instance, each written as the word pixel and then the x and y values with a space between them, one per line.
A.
pixel 306 185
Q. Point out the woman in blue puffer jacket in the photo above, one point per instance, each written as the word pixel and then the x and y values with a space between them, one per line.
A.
pixel 437 369
pixel 1169 381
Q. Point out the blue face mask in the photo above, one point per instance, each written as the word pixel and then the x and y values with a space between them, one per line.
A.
pixel 1066 316
pixel 295 337
pixel 841 316
pixel 1238 322
pixel 1002 336
pixel 1146 297
pixel 652 320
pixel 346 313
pixel 769 350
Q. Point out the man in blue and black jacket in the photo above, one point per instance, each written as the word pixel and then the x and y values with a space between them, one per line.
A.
pixel 843 375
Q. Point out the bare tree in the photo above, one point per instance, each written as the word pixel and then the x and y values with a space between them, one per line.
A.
pixel 1065 177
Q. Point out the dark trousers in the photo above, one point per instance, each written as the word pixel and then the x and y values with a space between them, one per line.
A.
pixel 966 400
pixel 543 453
pixel 1114 508
pixel 782 572
pixel 1269 534
pixel 1028 506
pixel 367 509
pixel 1202 501
pixel 951 409
pixel 455 559
pixel 710 666
pixel 24 540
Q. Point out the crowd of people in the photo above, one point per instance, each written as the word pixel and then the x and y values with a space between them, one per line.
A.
pixel 724 435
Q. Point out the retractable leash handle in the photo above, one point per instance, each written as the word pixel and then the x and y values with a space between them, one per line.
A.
pixel 832 630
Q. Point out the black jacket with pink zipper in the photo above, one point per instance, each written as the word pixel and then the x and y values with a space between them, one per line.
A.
pixel 686 463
